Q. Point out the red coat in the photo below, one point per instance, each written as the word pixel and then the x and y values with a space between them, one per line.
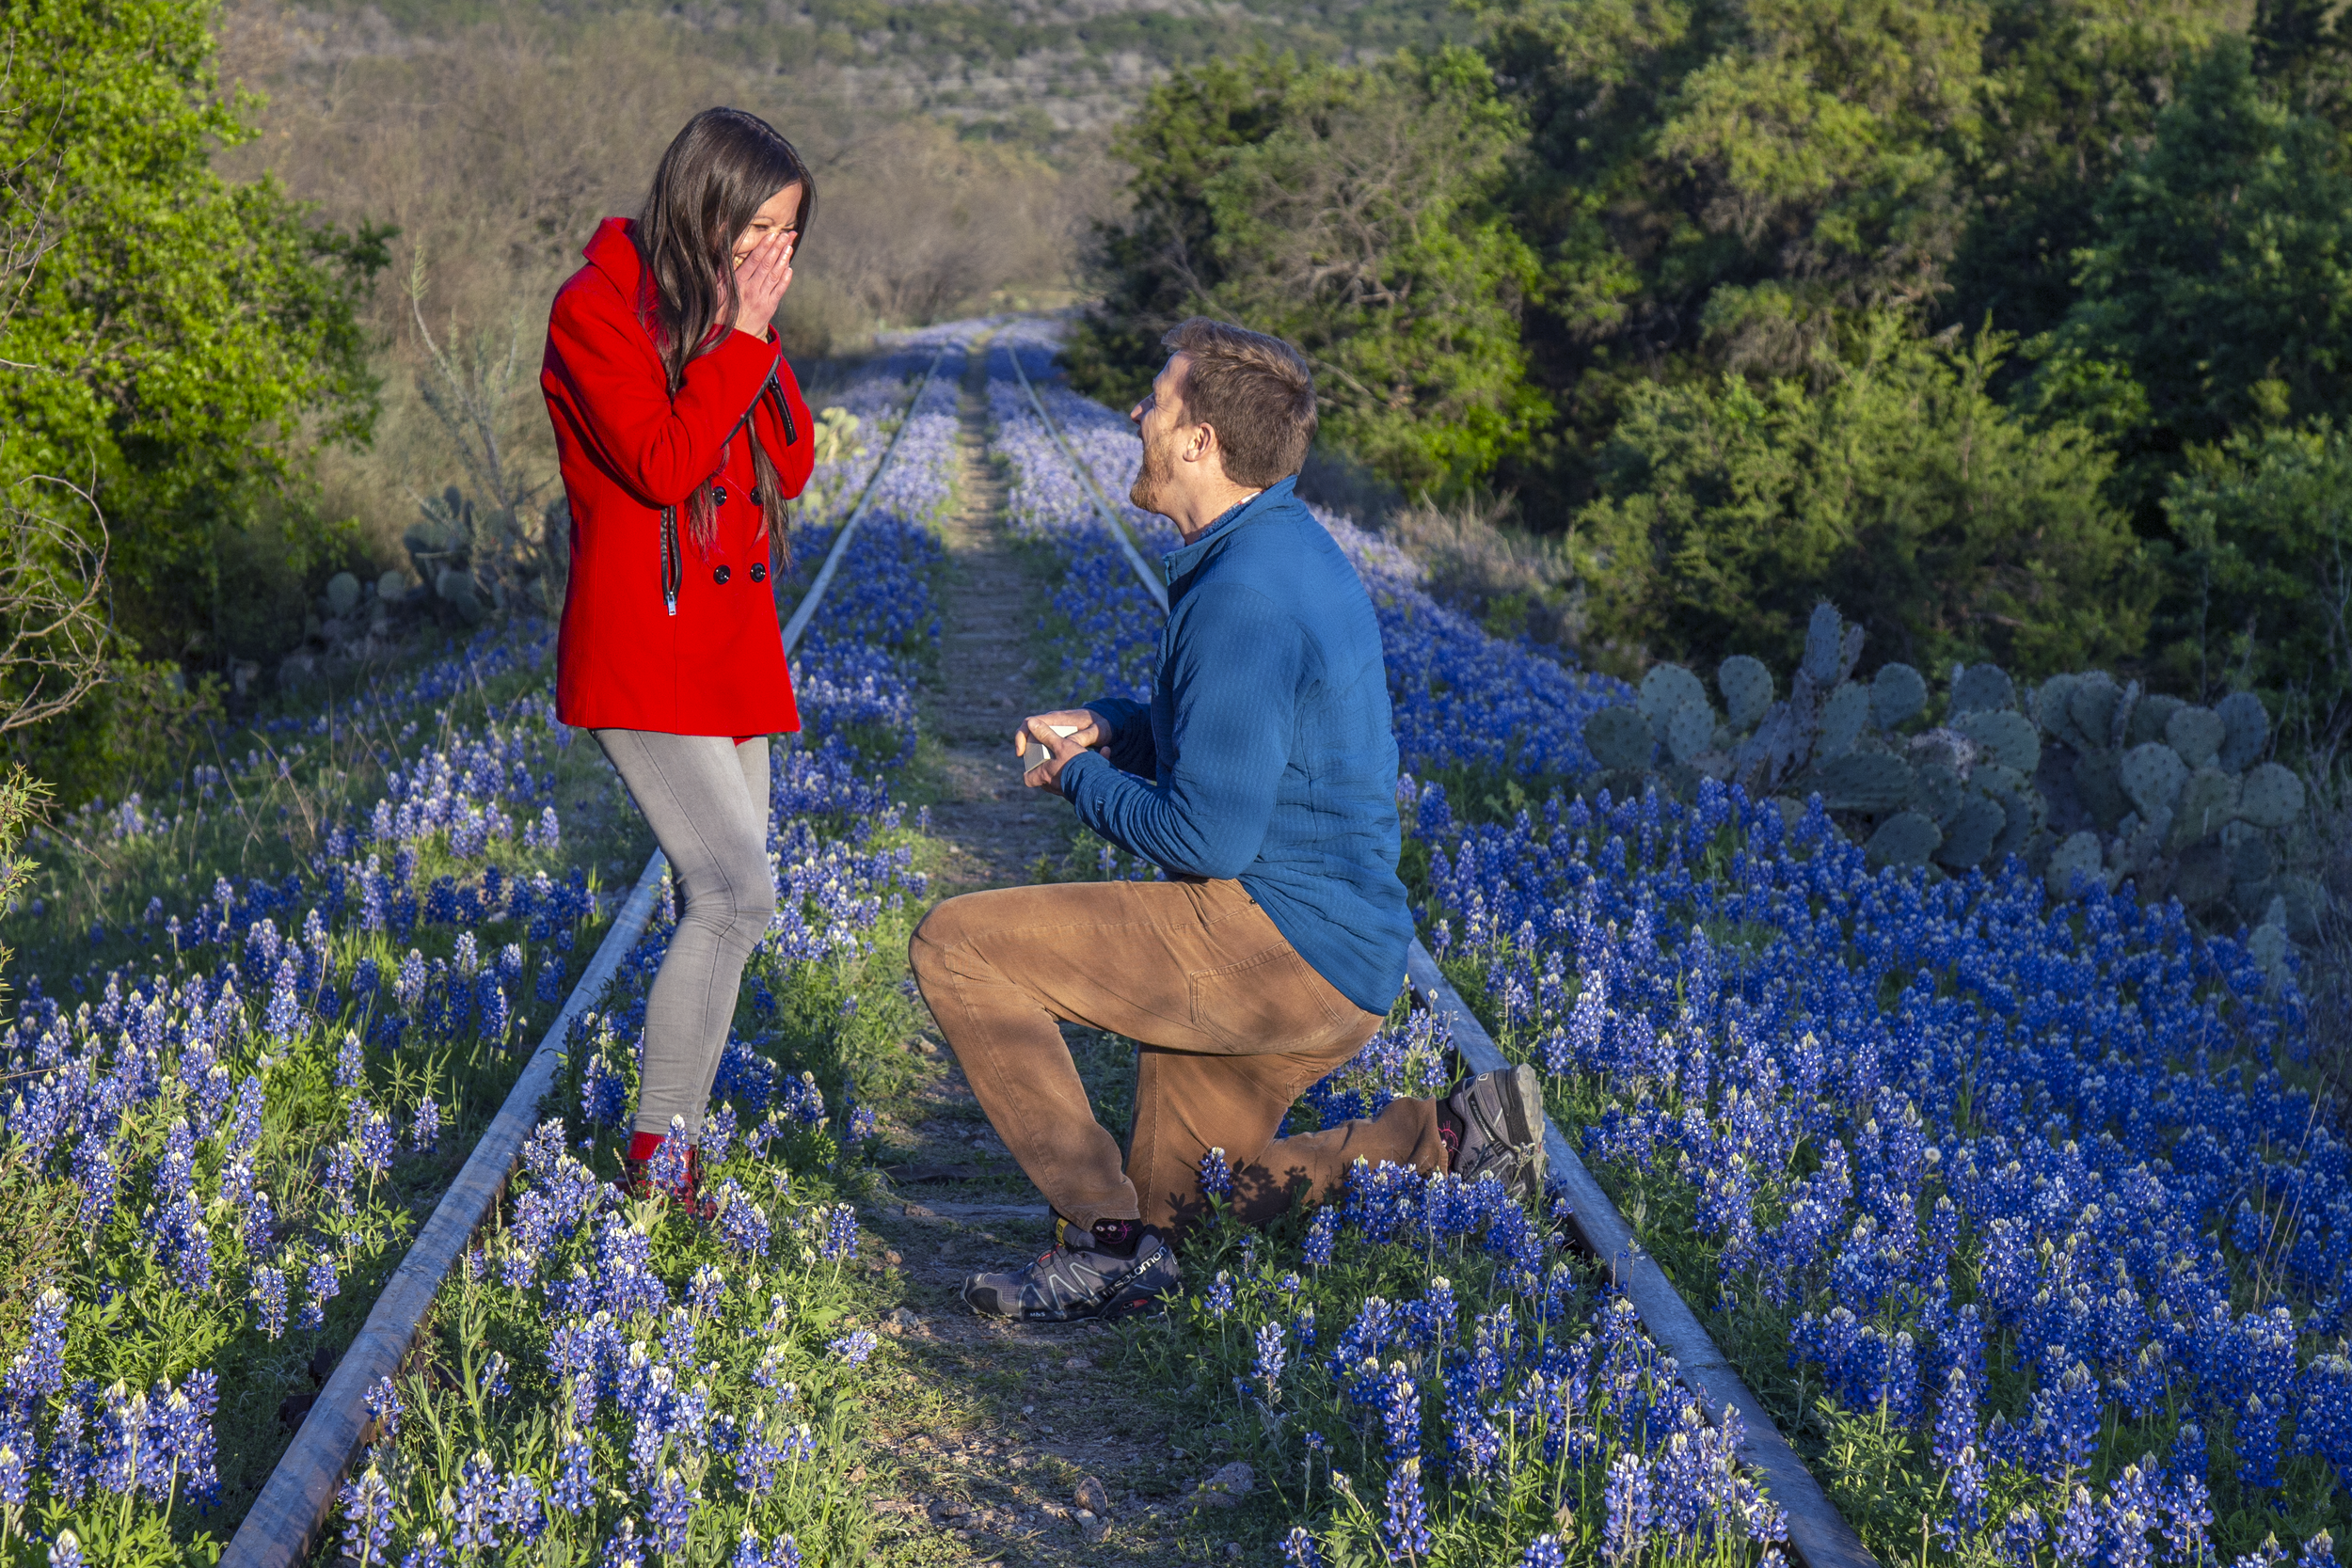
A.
pixel 627 658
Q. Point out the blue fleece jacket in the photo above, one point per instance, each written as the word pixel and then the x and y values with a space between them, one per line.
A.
pixel 1267 752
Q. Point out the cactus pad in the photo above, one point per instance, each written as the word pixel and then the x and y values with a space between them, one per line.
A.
pixel 1897 696
pixel 2049 704
pixel 463 593
pixel 2208 800
pixel 2099 787
pixel 2251 858
pixel 1982 689
pixel 2195 733
pixel 1747 689
pixel 2153 775
pixel 1842 717
pixel 2003 736
pixel 2019 821
pixel 1868 782
pixel 2078 857
pixel 1666 687
pixel 2271 797
pixel 1688 730
pixel 2090 712
pixel 1905 838
pixel 392 585
pixel 343 593
pixel 1936 793
pixel 1824 643
pixel 1618 738
pixel 2249 728
pixel 2148 719
pixel 1968 837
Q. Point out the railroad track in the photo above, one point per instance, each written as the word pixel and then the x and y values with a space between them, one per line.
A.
pixel 290 1516
pixel 1818 1534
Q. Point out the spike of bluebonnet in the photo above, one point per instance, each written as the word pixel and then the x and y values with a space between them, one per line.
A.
pixel 494 1378
pixel 575 1480
pixel 377 1148
pixel 667 1169
pixel 841 1234
pixel 670 1512
pixel 424 1129
pixel 1406 1528
pixel 268 1289
pixel 623 1548
pixel 367 1505
pixel 1627 1496
pixel 1219 1300
pixel 16 1471
pixel 853 1349
pixel 350 1062
pixel 1271 1353
pixel 66 1551
pixel 1323 1235
pixel 860 1124
pixel 1217 1177
pixel 1543 1552
pixel 1304 1326
pixel 1299 1549
pixel 477 1514
pixel 494 1019
pixel 320 1286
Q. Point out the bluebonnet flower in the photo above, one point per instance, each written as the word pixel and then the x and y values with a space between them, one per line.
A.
pixel 384 1405
pixel 268 1290
pixel 623 1548
pixel 1406 1528
pixel 66 1551
pixel 1299 1549
pixel 1543 1552
pixel 477 1513
pixel 376 1149
pixel 1626 1495
pixel 669 1512
pixel 320 1286
pixel 1219 1300
pixel 1217 1177
pixel 841 1234
pixel 853 1349
pixel 367 1505
pixel 666 1171
pixel 1322 1237
pixel 575 1480
pixel 424 1131
pixel 519 1509
pixel 350 1062
pixel 1271 1353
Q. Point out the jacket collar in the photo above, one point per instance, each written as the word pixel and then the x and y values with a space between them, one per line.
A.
pixel 1180 564
pixel 612 251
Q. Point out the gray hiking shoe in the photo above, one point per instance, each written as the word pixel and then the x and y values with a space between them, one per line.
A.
pixel 1502 1129
pixel 1074 1281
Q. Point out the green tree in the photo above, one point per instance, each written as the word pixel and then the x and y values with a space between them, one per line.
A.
pixel 1347 210
pixel 2070 94
pixel 181 339
pixel 2264 526
pixel 2217 294
pixel 1896 485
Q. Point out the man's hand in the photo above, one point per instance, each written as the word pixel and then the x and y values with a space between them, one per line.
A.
pixel 1085 733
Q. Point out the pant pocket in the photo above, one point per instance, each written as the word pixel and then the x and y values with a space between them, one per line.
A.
pixel 1268 1001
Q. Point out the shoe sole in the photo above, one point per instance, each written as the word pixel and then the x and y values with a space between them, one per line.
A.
pixel 1115 1310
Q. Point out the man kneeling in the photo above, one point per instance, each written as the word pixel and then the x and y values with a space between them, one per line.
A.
pixel 1261 777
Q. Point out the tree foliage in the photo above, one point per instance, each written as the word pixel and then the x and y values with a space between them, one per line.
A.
pixel 179 337
pixel 2266 526
pixel 1891 481
pixel 1347 210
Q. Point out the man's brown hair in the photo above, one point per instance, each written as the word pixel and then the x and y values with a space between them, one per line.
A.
pixel 1254 390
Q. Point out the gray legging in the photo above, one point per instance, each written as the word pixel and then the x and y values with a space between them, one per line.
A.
pixel 707 799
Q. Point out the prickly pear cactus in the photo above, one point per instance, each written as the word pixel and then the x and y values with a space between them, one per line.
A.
pixel 2084 776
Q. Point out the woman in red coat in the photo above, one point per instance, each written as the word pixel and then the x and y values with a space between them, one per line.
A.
pixel 681 435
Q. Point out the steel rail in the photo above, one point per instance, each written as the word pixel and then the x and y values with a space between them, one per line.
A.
pixel 1817 1533
pixel 289 1518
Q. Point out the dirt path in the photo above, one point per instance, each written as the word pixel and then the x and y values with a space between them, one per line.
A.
pixel 999 1433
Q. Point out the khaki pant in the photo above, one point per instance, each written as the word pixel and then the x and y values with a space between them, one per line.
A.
pixel 1232 1024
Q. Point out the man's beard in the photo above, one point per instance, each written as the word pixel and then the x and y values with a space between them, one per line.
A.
pixel 1157 477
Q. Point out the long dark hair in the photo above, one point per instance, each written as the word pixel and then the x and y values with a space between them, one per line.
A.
pixel 712 181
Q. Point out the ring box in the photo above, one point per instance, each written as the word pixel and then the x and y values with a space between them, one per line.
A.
pixel 1036 755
